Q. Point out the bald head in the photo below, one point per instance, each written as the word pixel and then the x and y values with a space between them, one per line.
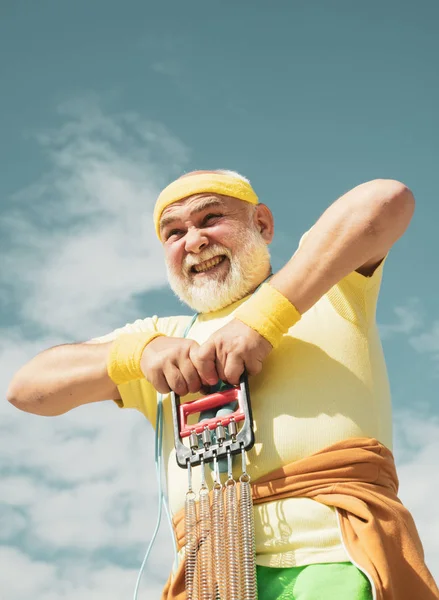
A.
pixel 217 171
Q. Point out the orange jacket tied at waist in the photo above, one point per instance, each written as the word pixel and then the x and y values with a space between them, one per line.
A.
pixel 358 478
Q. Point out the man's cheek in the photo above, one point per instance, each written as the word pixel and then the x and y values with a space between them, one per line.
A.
pixel 176 261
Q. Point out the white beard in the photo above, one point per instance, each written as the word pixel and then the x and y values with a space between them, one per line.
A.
pixel 247 268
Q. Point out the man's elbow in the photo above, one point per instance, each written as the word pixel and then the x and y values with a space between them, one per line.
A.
pixel 394 205
pixel 15 397
pixel 20 397
pixel 12 394
pixel 400 196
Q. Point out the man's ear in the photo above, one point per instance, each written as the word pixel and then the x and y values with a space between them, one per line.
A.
pixel 264 221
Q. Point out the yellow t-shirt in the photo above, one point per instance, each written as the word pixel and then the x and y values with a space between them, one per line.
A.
pixel 326 382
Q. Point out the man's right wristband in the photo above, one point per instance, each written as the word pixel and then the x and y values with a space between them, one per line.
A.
pixel 123 363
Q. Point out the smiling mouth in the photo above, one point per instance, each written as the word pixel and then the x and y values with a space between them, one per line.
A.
pixel 207 265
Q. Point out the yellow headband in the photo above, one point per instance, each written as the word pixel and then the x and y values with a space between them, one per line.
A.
pixel 200 183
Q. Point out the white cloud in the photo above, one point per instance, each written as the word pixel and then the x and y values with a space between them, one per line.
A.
pixel 84 243
pixel 422 336
pixel 25 578
pixel 417 435
pixel 21 577
pixel 417 451
pixel 428 341
pixel 79 491
pixel 82 485
pixel 408 319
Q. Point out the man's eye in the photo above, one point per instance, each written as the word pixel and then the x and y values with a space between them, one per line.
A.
pixel 173 232
pixel 209 217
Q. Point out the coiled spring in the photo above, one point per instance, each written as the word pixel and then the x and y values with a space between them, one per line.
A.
pixel 247 540
pixel 205 575
pixel 190 527
pixel 232 541
pixel 218 542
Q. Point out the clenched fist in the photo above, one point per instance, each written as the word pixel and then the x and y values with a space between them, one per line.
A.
pixel 166 363
pixel 229 351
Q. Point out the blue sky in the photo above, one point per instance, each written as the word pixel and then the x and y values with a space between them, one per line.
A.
pixel 103 103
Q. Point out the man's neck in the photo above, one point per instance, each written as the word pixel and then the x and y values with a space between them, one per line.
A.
pixel 249 293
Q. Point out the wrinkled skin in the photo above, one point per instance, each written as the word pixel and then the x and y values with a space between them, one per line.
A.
pixel 183 365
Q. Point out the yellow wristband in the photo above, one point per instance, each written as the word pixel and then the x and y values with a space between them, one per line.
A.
pixel 123 362
pixel 269 313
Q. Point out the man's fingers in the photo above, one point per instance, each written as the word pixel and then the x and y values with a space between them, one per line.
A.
pixel 234 368
pixel 189 372
pixel 235 365
pixel 158 380
pixel 253 367
pixel 220 370
pixel 203 358
pixel 175 380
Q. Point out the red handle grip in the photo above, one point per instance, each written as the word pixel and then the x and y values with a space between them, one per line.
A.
pixel 211 401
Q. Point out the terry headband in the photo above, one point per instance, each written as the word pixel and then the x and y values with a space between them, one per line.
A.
pixel 201 183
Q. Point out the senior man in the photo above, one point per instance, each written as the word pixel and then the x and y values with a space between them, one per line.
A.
pixel 328 523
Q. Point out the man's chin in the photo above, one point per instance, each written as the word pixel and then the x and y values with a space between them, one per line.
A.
pixel 206 282
pixel 206 298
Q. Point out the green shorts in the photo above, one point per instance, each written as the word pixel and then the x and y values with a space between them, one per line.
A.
pixel 331 581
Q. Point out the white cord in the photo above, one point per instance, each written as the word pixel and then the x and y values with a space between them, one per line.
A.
pixel 162 497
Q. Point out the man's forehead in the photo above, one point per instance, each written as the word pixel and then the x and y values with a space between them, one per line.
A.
pixel 193 204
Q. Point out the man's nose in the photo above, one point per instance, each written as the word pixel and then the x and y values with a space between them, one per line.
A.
pixel 195 241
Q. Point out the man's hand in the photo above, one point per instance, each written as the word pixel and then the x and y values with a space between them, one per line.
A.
pixel 167 365
pixel 229 351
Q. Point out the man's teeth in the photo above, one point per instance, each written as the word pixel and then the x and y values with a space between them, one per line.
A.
pixel 208 264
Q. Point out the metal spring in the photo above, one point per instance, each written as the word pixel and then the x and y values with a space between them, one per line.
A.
pixel 247 540
pixel 219 546
pixel 190 530
pixel 205 546
pixel 232 541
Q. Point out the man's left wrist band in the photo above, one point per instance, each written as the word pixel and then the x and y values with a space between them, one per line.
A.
pixel 123 363
pixel 269 313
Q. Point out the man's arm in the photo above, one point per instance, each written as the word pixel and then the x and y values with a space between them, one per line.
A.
pixel 62 378
pixel 354 234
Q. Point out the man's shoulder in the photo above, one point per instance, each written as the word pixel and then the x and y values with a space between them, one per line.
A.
pixel 174 325
pixel 170 326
